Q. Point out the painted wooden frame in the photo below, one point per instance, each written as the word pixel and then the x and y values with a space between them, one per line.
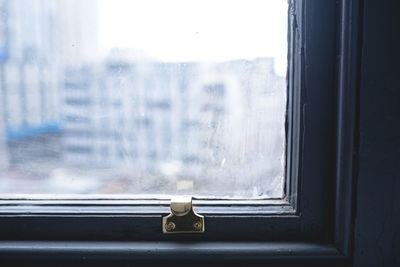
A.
pixel 314 222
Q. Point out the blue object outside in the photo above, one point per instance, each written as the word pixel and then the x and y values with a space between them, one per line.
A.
pixel 29 131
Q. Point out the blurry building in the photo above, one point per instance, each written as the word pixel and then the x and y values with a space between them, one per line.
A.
pixel 122 113
pixel 131 111
pixel 4 162
pixel 28 70
pixel 238 117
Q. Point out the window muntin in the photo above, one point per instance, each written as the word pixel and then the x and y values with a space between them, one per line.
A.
pixel 189 115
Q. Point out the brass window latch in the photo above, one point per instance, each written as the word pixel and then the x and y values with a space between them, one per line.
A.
pixel 183 219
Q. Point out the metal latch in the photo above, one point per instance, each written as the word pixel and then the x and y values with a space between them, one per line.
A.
pixel 183 219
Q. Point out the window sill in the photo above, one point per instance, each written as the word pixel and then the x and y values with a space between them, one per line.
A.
pixel 176 251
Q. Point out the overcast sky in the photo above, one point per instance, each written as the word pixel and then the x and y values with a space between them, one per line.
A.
pixel 200 30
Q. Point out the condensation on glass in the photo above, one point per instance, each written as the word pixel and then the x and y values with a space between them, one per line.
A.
pixel 150 98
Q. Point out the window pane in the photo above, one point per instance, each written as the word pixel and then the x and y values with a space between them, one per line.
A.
pixel 145 97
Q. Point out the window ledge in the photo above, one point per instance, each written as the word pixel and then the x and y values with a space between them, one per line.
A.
pixel 186 251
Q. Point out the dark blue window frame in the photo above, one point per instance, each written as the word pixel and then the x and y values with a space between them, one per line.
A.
pixel 314 222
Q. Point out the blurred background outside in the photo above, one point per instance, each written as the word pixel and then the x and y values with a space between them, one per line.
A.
pixel 150 98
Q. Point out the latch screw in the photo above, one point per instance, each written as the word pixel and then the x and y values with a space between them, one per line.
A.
pixel 170 226
pixel 197 226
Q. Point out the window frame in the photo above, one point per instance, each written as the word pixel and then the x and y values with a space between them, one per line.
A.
pixel 315 223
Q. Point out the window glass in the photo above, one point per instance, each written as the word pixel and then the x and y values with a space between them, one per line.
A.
pixel 143 97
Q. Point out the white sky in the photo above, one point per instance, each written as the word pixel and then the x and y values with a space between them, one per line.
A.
pixel 197 30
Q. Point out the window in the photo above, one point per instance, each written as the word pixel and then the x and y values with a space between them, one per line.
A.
pixel 121 97
pixel 289 184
